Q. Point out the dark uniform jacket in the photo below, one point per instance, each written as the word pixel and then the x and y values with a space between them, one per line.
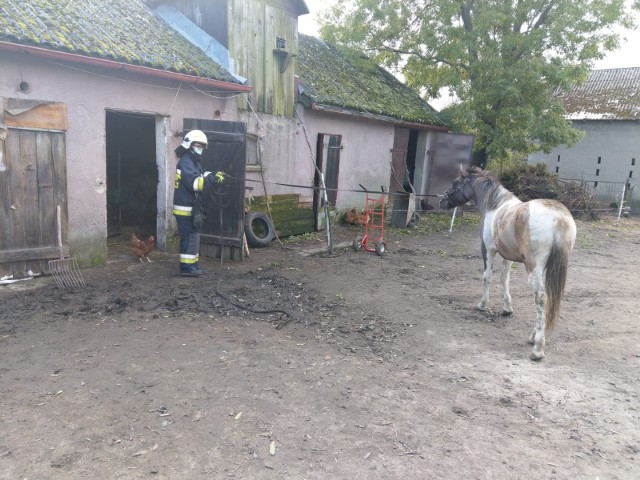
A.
pixel 190 179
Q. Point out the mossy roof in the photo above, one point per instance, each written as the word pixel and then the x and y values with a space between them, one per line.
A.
pixel 610 94
pixel 125 31
pixel 336 78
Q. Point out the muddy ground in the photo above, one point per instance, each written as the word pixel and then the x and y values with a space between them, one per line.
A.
pixel 347 366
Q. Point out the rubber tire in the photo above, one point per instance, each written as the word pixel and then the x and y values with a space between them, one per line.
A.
pixel 259 229
pixel 414 220
pixel 357 244
pixel 380 248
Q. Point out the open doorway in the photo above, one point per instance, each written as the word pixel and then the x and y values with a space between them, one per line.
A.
pixel 132 173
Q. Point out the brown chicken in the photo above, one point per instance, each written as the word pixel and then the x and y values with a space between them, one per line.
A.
pixel 142 248
pixel 354 218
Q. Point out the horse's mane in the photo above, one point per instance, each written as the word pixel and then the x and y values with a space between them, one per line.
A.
pixel 491 190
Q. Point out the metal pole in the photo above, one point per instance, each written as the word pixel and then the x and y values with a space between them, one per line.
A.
pixel 326 214
pixel 622 201
pixel 453 217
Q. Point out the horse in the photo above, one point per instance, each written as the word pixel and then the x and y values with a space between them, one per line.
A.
pixel 539 233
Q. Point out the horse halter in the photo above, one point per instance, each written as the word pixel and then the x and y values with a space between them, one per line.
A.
pixel 458 188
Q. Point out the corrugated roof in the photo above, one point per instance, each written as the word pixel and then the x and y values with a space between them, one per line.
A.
pixel 612 94
pixel 121 30
pixel 331 77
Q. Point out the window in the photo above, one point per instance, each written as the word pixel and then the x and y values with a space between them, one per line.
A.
pixel 281 42
pixel 633 162
pixel 599 160
pixel 254 147
pixel 631 174
pixel 595 184
pixel 597 172
pixel 557 169
pixel 558 157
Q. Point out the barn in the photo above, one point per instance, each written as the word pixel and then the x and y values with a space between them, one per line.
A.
pixel 607 109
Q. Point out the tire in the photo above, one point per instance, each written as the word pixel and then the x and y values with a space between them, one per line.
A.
pixel 414 220
pixel 357 244
pixel 258 228
pixel 380 248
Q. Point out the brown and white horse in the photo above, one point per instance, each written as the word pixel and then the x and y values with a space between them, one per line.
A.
pixel 538 233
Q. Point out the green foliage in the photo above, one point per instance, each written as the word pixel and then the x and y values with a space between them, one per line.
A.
pixel 504 60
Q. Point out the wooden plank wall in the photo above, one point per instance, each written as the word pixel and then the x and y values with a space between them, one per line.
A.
pixel 33 184
pixel 292 214
pixel 254 26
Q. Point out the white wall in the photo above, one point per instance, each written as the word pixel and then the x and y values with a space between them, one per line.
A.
pixel 615 143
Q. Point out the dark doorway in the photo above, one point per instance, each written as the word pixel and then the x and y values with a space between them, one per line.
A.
pixel 132 173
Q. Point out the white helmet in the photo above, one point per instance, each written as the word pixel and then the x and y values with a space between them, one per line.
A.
pixel 194 136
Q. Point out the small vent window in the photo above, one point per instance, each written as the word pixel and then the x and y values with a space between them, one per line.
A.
pixel 557 169
pixel 597 172
pixel 281 42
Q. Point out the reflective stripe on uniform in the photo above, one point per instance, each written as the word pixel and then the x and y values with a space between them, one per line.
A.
pixel 188 259
pixel 182 211
pixel 198 184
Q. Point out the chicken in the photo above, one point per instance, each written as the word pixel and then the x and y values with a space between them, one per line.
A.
pixel 354 218
pixel 142 248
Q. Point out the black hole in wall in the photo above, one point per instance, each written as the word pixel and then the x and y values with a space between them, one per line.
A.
pixel 132 174
pixel 24 87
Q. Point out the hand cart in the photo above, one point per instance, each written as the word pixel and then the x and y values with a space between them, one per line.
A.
pixel 373 240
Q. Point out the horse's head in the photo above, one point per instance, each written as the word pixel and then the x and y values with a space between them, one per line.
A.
pixel 459 192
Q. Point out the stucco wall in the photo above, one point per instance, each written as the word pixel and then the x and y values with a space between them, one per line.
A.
pixel 365 157
pixel 88 93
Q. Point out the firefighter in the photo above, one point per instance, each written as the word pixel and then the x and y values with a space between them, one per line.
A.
pixel 190 183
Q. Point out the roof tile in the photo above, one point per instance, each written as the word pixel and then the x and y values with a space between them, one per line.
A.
pixel 611 94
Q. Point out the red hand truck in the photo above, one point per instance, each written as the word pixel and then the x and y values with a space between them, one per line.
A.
pixel 373 239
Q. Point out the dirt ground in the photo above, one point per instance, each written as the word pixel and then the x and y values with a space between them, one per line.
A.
pixel 295 364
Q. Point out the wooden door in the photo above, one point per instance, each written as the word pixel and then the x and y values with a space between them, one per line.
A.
pixel 33 181
pixel 223 229
pixel 328 162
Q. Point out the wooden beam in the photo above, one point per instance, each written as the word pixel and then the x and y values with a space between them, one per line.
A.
pixel 42 253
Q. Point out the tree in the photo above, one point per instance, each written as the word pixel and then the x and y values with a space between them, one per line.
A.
pixel 505 60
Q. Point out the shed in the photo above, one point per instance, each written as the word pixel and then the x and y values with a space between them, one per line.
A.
pixel 607 109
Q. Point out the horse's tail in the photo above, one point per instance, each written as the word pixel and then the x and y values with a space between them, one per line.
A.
pixel 555 279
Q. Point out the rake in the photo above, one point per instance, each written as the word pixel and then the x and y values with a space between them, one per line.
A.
pixel 65 271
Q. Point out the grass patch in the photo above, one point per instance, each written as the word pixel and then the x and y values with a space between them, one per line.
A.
pixel 584 241
pixel 439 222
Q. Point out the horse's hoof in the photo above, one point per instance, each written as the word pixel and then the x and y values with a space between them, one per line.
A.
pixel 536 356
pixel 481 307
pixel 507 313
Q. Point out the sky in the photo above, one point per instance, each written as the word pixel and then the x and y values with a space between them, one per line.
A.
pixel 627 56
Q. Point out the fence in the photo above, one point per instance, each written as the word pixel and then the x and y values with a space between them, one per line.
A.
pixel 607 195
